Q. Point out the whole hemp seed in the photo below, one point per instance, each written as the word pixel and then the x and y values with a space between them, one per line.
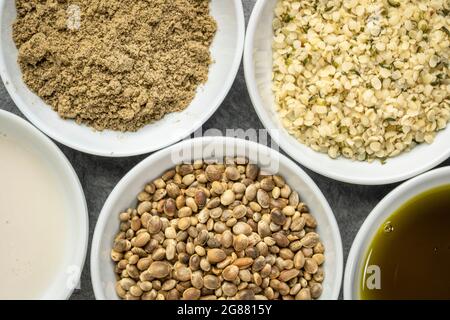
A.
pixel 116 64
pixel 218 231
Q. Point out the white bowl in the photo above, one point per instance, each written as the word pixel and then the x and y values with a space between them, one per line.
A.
pixel 124 195
pixel 387 206
pixel 258 73
pixel 68 275
pixel 226 52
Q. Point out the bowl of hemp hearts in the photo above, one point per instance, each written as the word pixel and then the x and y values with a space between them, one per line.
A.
pixel 113 77
pixel 357 90
pixel 243 224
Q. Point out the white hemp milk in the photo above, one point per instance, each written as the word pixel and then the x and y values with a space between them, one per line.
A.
pixel 32 222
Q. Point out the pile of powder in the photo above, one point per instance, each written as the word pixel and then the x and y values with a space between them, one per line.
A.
pixel 114 64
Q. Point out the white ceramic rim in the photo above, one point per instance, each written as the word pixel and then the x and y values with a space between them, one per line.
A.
pixel 79 257
pixel 171 139
pixel 136 171
pixel 249 70
pixel 363 233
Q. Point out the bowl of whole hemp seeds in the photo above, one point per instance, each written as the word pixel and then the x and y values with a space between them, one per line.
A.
pixel 216 218
pixel 113 78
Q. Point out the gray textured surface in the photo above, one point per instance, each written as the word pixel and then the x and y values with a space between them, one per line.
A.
pixel 351 204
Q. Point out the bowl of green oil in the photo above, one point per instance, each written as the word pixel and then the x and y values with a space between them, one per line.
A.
pixel 402 251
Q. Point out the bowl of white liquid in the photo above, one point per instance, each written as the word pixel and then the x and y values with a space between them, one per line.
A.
pixel 43 215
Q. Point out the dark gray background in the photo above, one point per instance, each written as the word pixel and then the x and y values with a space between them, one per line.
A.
pixel 351 204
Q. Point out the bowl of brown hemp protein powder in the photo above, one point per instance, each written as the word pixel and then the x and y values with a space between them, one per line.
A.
pixel 113 78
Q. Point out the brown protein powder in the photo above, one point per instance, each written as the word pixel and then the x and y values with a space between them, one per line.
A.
pixel 114 64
